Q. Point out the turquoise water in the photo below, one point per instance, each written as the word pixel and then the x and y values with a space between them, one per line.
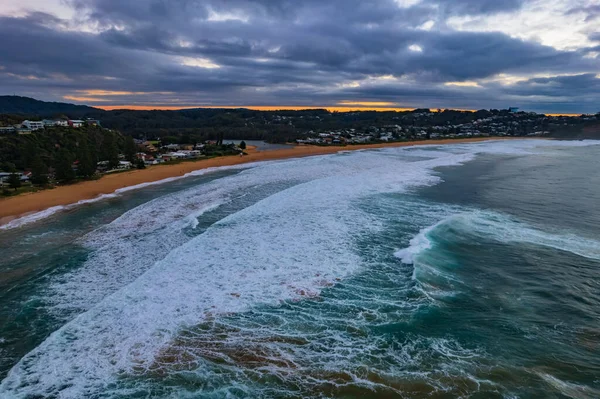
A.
pixel 458 271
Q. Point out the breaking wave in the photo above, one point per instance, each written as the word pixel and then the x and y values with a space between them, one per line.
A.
pixel 285 247
pixel 165 269
pixel 497 227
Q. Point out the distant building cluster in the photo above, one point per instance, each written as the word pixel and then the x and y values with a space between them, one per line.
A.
pixel 153 154
pixel 28 126
pixel 422 126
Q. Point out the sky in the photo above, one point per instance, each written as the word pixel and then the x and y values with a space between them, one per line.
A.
pixel 538 55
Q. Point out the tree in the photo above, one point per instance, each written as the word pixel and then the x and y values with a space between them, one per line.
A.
pixel 28 150
pixel 140 164
pixel 168 140
pixel 64 170
pixel 129 149
pixel 8 167
pixel 110 151
pixel 243 145
pixel 39 172
pixel 14 181
pixel 87 164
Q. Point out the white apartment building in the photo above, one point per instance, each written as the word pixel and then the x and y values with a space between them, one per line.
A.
pixel 33 125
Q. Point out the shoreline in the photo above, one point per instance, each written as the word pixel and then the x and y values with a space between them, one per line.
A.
pixel 26 204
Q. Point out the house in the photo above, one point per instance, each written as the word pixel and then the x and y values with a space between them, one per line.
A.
pixel 75 123
pixel 92 122
pixel 150 160
pixel 7 130
pixel 124 165
pixel 33 125
pixel 193 153
pixel 4 176
pixel 179 155
pixel 54 122
pixel 102 166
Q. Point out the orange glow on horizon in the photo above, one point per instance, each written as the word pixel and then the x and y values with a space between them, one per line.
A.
pixel 281 108
pixel 562 114
pixel 252 107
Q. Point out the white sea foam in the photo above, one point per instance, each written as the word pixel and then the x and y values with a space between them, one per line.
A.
pixel 569 389
pixel 37 216
pixel 146 280
pixel 418 244
pixel 494 226
pixel 287 246
pixel 517 147
pixel 504 229
pixel 34 217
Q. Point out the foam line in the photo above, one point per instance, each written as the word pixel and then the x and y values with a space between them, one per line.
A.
pixel 495 226
pixel 285 247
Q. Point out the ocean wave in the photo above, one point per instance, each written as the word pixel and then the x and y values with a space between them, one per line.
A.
pixel 517 147
pixel 417 245
pixel 287 246
pixel 569 389
pixel 476 225
pixel 147 280
pixel 41 215
pixel 31 218
pixel 38 216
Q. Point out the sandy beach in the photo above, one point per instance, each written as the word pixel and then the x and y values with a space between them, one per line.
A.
pixel 13 207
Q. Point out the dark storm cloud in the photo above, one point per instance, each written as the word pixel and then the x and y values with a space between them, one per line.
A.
pixel 475 7
pixel 273 52
pixel 560 86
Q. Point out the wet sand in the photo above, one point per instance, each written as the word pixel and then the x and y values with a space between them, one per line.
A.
pixel 23 204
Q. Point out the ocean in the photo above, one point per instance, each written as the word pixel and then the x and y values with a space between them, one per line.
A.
pixel 455 271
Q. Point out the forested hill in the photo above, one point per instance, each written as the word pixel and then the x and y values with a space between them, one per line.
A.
pixel 200 124
pixel 30 106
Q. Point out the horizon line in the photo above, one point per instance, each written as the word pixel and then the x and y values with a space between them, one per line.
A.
pixel 292 108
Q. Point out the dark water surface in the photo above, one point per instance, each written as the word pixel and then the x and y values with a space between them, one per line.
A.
pixel 465 271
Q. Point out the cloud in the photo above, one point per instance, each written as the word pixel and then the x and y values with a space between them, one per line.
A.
pixel 560 86
pixel 594 36
pixel 591 12
pixel 475 7
pixel 267 52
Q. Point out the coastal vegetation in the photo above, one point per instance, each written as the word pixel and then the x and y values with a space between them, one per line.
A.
pixel 202 124
pixel 63 155
pixel 57 148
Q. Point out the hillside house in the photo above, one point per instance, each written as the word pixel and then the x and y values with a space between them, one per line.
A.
pixel 54 122
pixel 76 123
pixel 33 125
